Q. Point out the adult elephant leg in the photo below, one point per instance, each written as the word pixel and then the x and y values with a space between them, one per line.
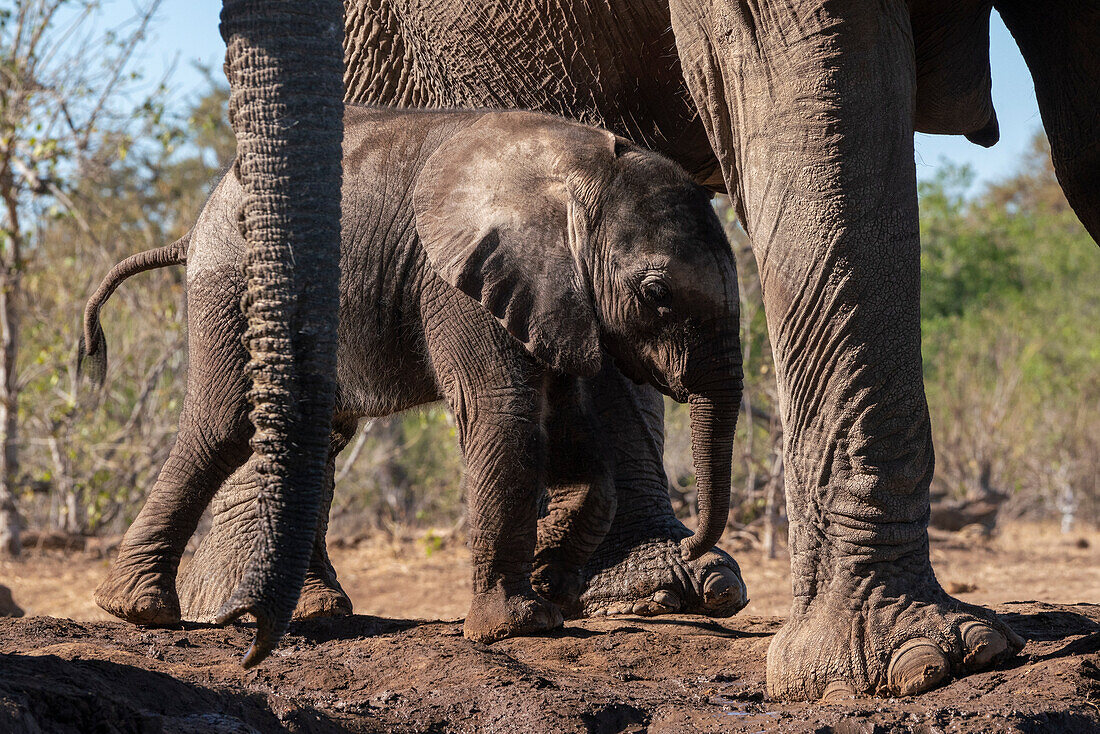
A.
pixel 637 569
pixel 219 561
pixel 810 106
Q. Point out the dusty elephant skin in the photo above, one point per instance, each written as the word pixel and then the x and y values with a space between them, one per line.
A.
pixel 609 676
pixel 287 117
pixel 804 112
pixel 491 260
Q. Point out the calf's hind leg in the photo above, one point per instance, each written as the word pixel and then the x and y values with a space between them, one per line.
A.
pixel 580 494
pixel 212 442
pixel 497 408
pixel 219 562
pixel 322 595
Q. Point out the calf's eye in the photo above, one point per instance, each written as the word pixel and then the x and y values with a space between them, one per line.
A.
pixel 654 289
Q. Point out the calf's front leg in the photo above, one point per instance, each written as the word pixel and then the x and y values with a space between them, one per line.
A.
pixel 504 449
pixel 496 393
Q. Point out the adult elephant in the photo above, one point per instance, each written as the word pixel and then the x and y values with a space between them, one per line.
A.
pixel 804 112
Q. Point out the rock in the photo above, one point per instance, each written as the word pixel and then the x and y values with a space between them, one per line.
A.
pixel 8 607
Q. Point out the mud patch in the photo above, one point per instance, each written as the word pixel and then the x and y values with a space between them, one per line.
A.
pixel 367 674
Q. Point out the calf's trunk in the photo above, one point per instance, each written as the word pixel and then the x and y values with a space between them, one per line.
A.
pixel 713 422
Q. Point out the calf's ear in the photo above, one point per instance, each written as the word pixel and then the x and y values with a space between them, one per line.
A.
pixel 496 218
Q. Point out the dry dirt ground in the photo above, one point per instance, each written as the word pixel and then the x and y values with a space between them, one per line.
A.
pixel 387 669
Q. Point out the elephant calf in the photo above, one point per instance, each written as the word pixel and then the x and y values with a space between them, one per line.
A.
pixel 491 259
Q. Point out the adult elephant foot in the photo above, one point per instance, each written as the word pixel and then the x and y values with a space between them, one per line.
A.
pixel 883 636
pixel 638 569
pixel 650 578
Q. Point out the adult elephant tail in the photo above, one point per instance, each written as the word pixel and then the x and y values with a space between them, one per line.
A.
pixel 284 61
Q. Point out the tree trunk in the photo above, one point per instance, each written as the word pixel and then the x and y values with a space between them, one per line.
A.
pixel 284 61
pixel 10 284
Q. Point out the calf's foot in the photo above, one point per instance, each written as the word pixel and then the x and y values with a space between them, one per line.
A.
pixel 643 573
pixel 321 597
pixel 140 594
pixel 882 633
pixel 498 613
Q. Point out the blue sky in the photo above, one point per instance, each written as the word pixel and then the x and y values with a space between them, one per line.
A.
pixel 187 30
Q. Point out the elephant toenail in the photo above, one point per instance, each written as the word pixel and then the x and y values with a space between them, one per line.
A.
pixel 724 588
pixel 917 666
pixel 982 643
pixel 839 691
pixel 666 599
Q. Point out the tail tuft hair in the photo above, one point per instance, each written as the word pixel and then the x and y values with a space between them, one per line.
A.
pixel 91 364
pixel 91 351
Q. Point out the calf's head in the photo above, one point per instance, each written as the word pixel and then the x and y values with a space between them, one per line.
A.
pixel 582 246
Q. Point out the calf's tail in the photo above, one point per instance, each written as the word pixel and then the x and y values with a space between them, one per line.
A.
pixel 91 360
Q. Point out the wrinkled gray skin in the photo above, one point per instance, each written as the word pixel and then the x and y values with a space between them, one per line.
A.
pixel 488 259
pixel 288 160
pixel 804 112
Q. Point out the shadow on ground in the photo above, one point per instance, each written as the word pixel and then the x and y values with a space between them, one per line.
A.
pixel 366 674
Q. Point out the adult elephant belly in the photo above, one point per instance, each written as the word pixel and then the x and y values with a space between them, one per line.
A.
pixel 612 64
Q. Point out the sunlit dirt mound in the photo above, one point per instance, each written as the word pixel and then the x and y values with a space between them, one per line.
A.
pixel 367 674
